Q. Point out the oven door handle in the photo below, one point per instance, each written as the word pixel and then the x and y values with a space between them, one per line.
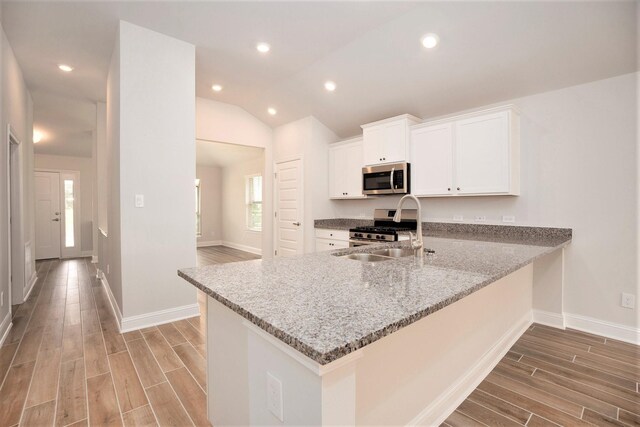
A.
pixel 393 170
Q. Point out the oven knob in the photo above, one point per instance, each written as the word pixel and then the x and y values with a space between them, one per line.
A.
pixel 378 236
pixel 368 236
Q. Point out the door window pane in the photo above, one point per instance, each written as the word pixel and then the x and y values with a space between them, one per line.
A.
pixel 254 202
pixel 69 237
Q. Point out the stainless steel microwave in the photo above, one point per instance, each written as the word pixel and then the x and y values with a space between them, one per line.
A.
pixel 393 178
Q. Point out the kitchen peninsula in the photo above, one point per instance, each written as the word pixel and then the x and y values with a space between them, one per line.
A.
pixel 321 339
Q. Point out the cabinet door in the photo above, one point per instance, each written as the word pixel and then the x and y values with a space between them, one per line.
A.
pixel 353 172
pixel 373 140
pixel 432 160
pixel 394 146
pixel 482 154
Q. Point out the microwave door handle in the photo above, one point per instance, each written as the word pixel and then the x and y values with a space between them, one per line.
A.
pixel 391 179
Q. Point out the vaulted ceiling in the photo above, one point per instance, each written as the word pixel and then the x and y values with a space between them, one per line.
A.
pixel 488 52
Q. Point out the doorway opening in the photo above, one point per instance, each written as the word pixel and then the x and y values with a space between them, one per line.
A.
pixel 17 273
pixel 229 195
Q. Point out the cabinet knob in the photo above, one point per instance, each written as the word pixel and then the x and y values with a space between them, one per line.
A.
pixel 458 188
pixel 449 189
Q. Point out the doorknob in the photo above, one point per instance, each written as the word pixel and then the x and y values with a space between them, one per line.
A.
pixel 56 219
pixel 296 224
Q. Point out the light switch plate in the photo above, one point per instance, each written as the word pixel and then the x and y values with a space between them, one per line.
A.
pixel 508 218
pixel 139 200
pixel 458 218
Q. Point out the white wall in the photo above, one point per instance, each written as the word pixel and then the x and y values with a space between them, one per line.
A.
pixel 219 122
pixel 308 140
pixel 16 109
pixel 579 170
pixel 234 224
pixel 210 203
pixel 152 154
pixel 85 166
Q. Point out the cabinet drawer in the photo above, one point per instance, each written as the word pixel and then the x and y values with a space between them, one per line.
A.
pixel 323 233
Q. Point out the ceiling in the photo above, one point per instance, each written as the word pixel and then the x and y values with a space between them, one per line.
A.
pixel 488 52
pixel 221 155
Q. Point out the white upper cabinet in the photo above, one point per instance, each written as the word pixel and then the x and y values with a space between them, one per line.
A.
pixel 387 141
pixel 432 160
pixel 475 154
pixel 345 169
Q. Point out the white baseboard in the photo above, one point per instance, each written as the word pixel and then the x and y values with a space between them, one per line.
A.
pixel 32 282
pixel 250 249
pixel 447 402
pixel 94 259
pixel 112 300
pixel 555 320
pixel 146 320
pixel 5 327
pixel 202 243
pixel 86 254
pixel 606 329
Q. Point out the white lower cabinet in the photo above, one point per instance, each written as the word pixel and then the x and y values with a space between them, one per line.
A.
pixel 475 154
pixel 327 239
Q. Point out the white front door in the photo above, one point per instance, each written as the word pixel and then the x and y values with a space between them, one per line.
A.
pixel 48 215
pixel 289 199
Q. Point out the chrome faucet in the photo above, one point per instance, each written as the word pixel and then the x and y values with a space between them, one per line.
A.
pixel 417 243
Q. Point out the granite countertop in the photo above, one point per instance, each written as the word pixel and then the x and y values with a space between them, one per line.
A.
pixel 326 306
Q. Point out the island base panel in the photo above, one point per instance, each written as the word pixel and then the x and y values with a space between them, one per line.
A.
pixel 415 376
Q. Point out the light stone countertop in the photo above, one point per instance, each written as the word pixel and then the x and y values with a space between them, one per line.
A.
pixel 326 306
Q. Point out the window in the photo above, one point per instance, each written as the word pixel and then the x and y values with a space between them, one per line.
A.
pixel 198 213
pixel 69 236
pixel 254 202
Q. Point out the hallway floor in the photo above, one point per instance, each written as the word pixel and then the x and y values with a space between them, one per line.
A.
pixel 65 363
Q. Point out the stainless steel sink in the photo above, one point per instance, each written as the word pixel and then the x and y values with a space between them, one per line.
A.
pixel 394 252
pixel 367 257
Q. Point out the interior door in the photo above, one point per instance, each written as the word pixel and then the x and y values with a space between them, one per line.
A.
pixel 289 213
pixel 47 213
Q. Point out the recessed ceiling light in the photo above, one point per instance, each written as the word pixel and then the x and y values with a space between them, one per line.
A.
pixel 263 47
pixel 216 88
pixel 430 40
pixel 272 111
pixel 66 68
pixel 37 136
pixel 330 86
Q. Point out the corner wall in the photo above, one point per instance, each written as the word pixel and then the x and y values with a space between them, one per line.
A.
pixel 151 140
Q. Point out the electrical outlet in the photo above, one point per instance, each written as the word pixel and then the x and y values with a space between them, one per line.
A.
pixel 508 218
pixel 628 301
pixel 274 396
pixel 480 218
pixel 458 218
pixel 139 200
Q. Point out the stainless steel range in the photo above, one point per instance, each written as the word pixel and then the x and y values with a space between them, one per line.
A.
pixel 384 229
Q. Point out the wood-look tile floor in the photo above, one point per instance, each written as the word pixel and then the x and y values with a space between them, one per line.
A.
pixel 222 254
pixel 553 377
pixel 64 362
